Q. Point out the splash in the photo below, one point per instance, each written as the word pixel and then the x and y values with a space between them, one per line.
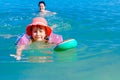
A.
pixel 8 36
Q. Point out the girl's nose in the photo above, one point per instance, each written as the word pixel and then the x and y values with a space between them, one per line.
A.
pixel 38 33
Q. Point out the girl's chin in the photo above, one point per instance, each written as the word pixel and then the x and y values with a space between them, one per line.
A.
pixel 39 40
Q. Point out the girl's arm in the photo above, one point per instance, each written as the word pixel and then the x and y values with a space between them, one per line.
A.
pixel 19 52
pixel 21 43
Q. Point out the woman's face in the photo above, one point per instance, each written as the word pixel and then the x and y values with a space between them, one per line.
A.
pixel 38 34
pixel 42 7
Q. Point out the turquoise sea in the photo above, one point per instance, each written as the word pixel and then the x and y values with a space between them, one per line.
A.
pixel 95 24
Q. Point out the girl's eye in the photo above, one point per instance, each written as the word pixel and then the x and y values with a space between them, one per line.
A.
pixel 34 31
pixel 41 31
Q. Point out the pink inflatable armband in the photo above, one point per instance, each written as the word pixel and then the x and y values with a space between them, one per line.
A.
pixel 22 40
pixel 55 38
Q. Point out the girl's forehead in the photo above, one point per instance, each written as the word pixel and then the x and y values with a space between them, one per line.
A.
pixel 38 28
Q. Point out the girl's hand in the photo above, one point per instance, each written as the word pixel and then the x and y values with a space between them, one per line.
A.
pixel 15 56
pixel 18 57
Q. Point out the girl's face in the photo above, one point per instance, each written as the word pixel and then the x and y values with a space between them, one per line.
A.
pixel 42 7
pixel 38 34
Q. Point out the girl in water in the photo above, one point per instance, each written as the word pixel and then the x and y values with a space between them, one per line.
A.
pixel 37 31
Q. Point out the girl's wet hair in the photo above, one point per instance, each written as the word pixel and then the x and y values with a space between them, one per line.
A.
pixel 41 2
pixel 39 26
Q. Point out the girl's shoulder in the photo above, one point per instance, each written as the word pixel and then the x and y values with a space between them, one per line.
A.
pixel 22 39
pixel 55 38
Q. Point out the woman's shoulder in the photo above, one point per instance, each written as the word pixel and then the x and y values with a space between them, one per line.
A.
pixel 47 12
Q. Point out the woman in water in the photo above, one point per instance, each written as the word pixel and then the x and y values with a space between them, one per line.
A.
pixel 42 8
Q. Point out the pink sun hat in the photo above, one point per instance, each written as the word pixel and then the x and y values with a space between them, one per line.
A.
pixel 38 21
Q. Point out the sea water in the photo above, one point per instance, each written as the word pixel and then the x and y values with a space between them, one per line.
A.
pixel 95 24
